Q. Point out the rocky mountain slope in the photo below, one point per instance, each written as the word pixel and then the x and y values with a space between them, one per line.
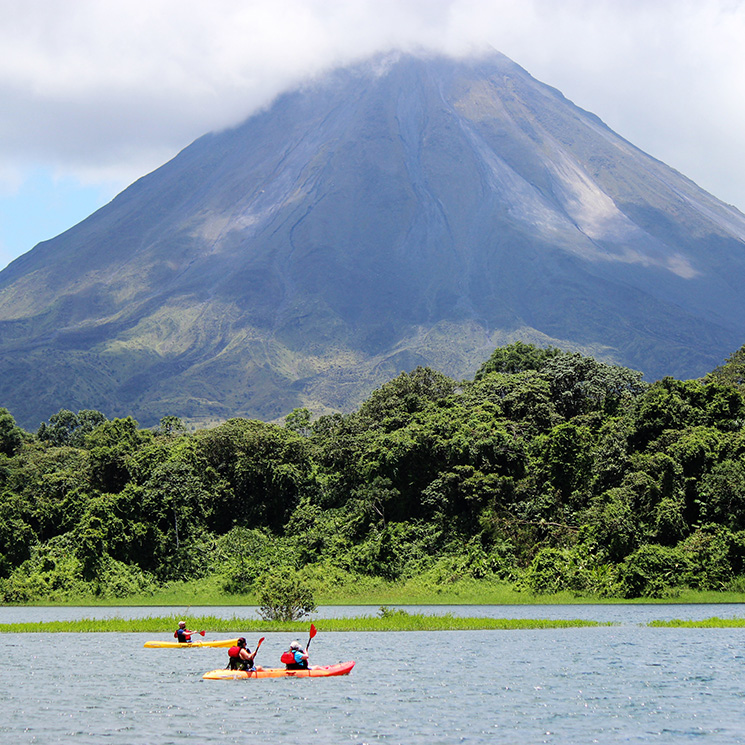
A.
pixel 405 211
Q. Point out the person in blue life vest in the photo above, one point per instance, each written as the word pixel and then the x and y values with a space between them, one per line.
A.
pixel 299 655
pixel 241 657
pixel 182 634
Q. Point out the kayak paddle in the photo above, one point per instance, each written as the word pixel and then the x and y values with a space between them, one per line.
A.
pixel 313 632
pixel 256 651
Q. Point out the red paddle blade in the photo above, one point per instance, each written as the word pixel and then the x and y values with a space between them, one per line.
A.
pixel 313 631
pixel 202 633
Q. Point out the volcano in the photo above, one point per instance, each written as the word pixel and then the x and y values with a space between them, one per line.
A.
pixel 409 210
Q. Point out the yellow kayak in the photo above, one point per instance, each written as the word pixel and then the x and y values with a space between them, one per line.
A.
pixel 182 645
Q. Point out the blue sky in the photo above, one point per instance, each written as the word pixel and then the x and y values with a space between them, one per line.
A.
pixel 96 94
pixel 42 206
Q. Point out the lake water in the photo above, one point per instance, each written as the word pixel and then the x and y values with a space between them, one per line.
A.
pixel 622 684
pixel 615 613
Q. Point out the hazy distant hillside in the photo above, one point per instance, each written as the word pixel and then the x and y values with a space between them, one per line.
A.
pixel 407 211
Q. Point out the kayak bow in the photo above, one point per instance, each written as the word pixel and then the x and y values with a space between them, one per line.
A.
pixel 327 671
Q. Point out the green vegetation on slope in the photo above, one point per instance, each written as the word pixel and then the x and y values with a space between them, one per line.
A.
pixel 548 473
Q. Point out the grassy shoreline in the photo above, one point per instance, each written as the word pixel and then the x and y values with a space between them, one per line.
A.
pixel 393 622
pixel 390 622
pixel 705 623
pixel 382 600
pixel 376 593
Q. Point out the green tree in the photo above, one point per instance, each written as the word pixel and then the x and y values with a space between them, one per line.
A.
pixel 576 568
pixel 11 435
pixel 724 406
pixel 564 458
pixel 67 428
pixel 392 405
pixel 611 456
pixel 615 523
pixel 285 596
pixel 16 534
pixel 671 404
pixel 722 494
pixel 111 444
pixel 298 420
pixel 171 426
pixel 178 501
pixel 696 450
pixel 523 397
pixel 53 483
pixel 582 384
pixel 516 358
pixel 261 473
pixel 654 571
pixel 715 556
pixel 732 370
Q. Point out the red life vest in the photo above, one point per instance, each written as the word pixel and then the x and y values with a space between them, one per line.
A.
pixel 290 661
pixel 234 652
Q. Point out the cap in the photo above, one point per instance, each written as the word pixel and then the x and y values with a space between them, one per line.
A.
pixel 295 645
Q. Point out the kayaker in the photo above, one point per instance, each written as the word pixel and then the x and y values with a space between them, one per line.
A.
pixel 182 634
pixel 299 655
pixel 241 657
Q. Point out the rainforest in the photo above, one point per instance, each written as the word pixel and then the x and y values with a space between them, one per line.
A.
pixel 548 472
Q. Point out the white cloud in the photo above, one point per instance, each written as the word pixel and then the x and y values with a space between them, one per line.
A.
pixel 112 89
pixel 668 76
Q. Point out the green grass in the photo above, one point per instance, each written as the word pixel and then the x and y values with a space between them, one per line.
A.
pixel 377 592
pixel 391 621
pixel 357 591
pixel 338 588
pixel 706 623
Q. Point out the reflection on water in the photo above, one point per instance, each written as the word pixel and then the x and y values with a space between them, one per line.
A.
pixel 628 683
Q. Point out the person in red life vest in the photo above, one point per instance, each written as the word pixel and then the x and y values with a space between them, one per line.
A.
pixel 182 634
pixel 296 658
pixel 241 657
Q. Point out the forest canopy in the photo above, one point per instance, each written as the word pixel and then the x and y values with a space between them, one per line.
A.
pixel 548 471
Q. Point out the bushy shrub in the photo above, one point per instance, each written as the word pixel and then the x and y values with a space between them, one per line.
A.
pixel 55 572
pixel 244 555
pixel 385 611
pixel 285 596
pixel 714 555
pixel 576 569
pixel 653 571
pixel 119 580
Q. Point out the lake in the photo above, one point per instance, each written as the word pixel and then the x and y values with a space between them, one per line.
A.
pixel 621 684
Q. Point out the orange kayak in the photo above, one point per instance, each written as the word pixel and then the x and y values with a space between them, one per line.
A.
pixel 327 671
